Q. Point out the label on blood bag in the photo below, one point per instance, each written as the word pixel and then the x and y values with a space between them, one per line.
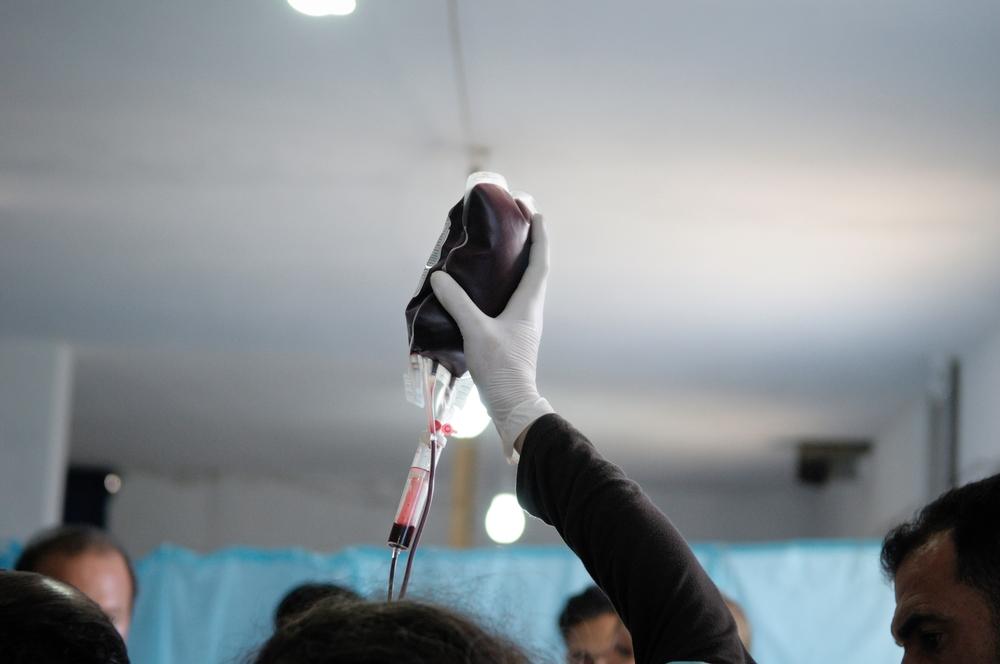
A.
pixel 413 382
pixel 434 257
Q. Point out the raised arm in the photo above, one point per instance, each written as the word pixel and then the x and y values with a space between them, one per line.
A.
pixel 632 551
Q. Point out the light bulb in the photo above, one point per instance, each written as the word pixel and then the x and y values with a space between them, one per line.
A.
pixel 324 7
pixel 473 419
pixel 504 519
pixel 112 483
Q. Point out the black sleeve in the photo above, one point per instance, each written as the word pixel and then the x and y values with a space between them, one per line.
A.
pixel 633 552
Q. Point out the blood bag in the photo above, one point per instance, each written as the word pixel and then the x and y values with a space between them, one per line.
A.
pixel 484 247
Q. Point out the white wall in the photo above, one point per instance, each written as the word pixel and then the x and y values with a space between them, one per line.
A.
pixel 212 510
pixel 979 453
pixel 326 513
pixel 35 385
pixel 215 509
pixel 898 478
pixel 774 511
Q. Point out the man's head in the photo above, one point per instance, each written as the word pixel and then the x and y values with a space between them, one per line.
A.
pixel 945 565
pixel 593 632
pixel 43 620
pixel 90 561
pixel 301 598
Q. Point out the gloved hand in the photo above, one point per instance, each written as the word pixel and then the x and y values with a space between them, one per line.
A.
pixel 502 352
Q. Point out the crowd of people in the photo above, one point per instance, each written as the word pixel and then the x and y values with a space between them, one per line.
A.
pixel 71 596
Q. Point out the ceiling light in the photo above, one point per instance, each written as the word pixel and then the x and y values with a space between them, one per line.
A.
pixel 324 7
pixel 504 519
pixel 473 419
pixel 112 483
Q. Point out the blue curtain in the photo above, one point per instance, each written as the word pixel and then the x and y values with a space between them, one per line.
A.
pixel 810 602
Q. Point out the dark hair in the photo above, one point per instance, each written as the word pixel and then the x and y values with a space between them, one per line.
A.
pixel 43 620
pixel 589 604
pixel 70 541
pixel 971 514
pixel 301 598
pixel 335 632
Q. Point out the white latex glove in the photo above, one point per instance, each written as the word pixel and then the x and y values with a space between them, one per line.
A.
pixel 502 352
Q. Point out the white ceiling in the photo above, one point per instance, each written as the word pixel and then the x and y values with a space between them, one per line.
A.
pixel 767 218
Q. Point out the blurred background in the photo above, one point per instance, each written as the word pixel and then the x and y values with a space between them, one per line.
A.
pixel 775 227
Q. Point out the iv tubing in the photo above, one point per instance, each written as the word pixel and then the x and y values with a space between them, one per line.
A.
pixel 429 384
pixel 392 571
pixel 429 403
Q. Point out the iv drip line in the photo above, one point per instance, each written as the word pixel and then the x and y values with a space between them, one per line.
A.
pixel 442 402
pixel 420 526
